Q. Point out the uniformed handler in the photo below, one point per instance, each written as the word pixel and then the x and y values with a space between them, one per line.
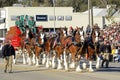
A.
pixel 32 24
pixel 19 23
pixel 8 52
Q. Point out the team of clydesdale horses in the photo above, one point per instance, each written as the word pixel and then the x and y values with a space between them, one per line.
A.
pixel 59 50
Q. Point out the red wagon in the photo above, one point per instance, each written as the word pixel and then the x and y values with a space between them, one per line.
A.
pixel 13 35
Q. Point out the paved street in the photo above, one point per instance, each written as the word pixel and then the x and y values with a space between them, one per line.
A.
pixel 26 72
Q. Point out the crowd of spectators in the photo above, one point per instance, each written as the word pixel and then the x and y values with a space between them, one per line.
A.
pixel 111 35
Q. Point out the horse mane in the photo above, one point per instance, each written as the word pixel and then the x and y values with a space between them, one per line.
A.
pixel 61 32
pixel 77 37
pixel 93 32
pixel 31 35
pixel 39 40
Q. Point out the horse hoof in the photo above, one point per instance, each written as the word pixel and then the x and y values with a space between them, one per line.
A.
pixel 33 63
pixel 72 66
pixel 43 61
pixel 79 70
pixel 67 70
pixel 24 63
pixel 14 62
pixel 30 64
pixel 97 67
pixel 91 70
pixel 37 65
pixel 47 66
pixel 84 66
pixel 59 68
pixel 53 68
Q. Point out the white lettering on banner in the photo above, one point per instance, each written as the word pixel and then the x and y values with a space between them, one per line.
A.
pixel 41 17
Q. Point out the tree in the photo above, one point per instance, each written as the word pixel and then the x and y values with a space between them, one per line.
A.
pixel 68 3
pixel 78 5
pixel 36 3
pixel 60 3
pixel 111 10
pixel 4 3
pixel 48 3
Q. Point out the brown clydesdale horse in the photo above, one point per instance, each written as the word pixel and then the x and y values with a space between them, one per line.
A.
pixel 93 48
pixel 68 46
pixel 39 47
pixel 27 46
pixel 76 48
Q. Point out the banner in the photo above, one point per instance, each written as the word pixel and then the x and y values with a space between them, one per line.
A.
pixel 41 18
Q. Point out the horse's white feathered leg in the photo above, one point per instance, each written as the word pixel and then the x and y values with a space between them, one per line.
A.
pixel 24 61
pixel 44 59
pixel 72 65
pixel 65 61
pixel 37 61
pixel 78 69
pixel 90 67
pixel 59 64
pixel 14 60
pixel 84 65
pixel 47 62
pixel 53 62
pixel 69 58
pixel 30 61
pixel 33 58
pixel 98 62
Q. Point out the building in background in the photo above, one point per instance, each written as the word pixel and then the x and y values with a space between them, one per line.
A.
pixel 54 17
pixel 3 28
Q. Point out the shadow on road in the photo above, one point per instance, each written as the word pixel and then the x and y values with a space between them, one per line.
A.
pixel 22 71
pixel 110 69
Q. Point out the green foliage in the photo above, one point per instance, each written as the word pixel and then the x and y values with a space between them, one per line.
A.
pixel 110 13
pixel 7 2
pixel 78 5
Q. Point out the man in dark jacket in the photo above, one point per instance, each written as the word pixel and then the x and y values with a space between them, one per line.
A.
pixel 106 50
pixel 8 52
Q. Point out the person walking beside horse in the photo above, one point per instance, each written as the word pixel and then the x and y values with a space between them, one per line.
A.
pixel 106 51
pixel 8 52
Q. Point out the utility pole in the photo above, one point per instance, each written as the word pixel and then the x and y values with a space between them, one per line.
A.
pixel 92 15
pixel 0 12
pixel 88 12
pixel 54 15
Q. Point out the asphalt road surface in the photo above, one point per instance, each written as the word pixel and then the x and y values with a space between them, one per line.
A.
pixel 26 72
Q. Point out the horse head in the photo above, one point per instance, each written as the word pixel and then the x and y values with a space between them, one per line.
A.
pixel 95 39
pixel 80 34
pixel 42 36
pixel 65 32
pixel 95 36
pixel 27 33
